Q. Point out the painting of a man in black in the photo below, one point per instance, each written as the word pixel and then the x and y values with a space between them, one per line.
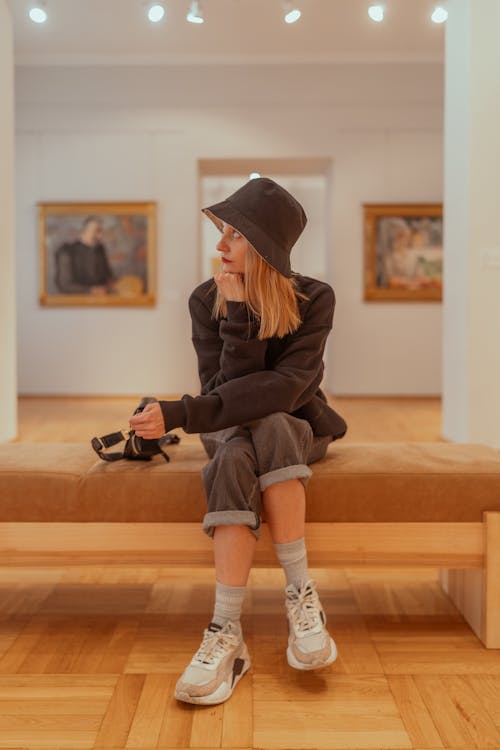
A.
pixel 82 266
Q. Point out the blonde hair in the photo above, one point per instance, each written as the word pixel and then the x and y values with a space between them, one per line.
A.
pixel 270 296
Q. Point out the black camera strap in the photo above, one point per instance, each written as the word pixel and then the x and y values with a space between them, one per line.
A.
pixel 99 444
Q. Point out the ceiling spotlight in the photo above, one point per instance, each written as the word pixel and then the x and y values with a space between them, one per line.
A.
pixel 253 175
pixel 376 12
pixel 156 11
pixel 195 13
pixel 291 11
pixel 37 13
pixel 439 14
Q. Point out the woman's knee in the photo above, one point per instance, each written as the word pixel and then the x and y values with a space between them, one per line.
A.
pixel 282 426
pixel 282 441
pixel 236 451
pixel 234 459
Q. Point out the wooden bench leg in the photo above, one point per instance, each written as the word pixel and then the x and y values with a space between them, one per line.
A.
pixel 476 593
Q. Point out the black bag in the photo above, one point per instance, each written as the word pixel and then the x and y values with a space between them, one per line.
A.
pixel 136 448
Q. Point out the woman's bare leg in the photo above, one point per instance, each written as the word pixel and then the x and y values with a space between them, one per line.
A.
pixel 284 504
pixel 233 552
pixel 285 508
pixel 222 658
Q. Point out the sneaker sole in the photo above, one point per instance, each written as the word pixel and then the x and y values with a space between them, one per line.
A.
pixel 223 692
pixel 315 665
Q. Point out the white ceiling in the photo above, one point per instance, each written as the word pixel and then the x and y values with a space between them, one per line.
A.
pixel 115 32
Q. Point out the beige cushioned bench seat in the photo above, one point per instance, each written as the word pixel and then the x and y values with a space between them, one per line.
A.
pixel 435 504
pixel 355 482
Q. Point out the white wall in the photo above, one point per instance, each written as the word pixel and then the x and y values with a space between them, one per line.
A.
pixel 8 377
pixel 471 358
pixel 456 274
pixel 137 134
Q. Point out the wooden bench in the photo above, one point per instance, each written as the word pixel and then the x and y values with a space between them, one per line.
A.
pixel 429 504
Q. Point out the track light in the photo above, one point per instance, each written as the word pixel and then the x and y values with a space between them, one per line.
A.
pixel 376 12
pixel 195 13
pixel 439 14
pixel 37 13
pixel 156 11
pixel 291 11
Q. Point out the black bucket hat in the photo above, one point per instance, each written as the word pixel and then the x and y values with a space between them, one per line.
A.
pixel 268 216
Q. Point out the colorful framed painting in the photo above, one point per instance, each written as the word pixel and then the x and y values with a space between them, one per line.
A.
pixel 97 254
pixel 403 252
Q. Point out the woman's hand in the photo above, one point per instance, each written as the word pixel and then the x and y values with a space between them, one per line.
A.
pixel 148 423
pixel 230 285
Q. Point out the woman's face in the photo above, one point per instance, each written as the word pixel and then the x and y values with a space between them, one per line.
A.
pixel 233 248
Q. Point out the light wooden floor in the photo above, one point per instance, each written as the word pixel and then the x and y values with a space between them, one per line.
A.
pixel 368 419
pixel 89 656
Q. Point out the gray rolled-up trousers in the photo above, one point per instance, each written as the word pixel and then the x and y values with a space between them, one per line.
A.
pixel 248 458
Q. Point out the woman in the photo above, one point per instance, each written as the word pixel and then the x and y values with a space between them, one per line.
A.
pixel 259 331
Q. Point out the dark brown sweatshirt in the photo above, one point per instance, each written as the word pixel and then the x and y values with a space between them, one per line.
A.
pixel 243 378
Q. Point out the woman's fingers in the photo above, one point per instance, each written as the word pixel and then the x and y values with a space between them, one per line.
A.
pixel 148 423
pixel 139 419
pixel 230 285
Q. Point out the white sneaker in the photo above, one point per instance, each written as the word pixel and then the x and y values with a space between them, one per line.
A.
pixel 219 664
pixel 309 643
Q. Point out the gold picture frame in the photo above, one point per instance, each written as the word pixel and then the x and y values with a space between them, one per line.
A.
pixel 97 254
pixel 403 252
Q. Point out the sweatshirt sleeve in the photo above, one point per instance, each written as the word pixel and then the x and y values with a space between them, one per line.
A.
pixel 228 349
pixel 291 383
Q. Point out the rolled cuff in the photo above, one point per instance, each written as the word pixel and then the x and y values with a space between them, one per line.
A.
pixel 297 471
pixel 231 518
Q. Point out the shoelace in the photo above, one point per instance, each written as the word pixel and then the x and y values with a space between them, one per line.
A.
pixel 213 646
pixel 303 607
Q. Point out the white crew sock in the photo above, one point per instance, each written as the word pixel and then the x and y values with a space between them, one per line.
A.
pixel 293 559
pixel 228 603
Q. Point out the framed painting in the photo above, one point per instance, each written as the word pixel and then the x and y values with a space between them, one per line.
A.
pixel 97 254
pixel 403 252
